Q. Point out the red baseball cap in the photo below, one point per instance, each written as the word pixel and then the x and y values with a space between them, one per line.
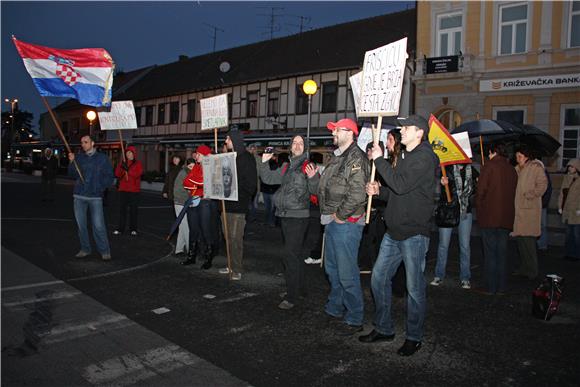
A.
pixel 344 123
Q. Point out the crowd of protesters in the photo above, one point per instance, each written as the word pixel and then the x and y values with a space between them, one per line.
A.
pixel 409 184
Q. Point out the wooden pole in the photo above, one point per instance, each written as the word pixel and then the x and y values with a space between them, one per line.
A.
pixel 123 152
pixel 446 185
pixel 322 250
pixel 481 150
pixel 56 123
pixel 224 219
pixel 376 137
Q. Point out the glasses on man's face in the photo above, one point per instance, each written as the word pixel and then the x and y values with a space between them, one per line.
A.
pixel 341 129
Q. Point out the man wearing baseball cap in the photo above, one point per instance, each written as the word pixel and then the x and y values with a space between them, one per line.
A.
pixel 342 199
pixel 410 196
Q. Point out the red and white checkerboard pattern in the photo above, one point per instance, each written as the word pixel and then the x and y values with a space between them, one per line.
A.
pixel 67 74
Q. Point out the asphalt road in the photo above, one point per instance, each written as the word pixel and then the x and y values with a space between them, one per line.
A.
pixel 235 327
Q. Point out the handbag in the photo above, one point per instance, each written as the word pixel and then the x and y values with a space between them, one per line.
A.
pixel 447 214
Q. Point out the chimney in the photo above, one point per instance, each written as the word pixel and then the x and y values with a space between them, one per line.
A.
pixel 183 57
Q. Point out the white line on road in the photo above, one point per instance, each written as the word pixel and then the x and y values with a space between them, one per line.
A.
pixel 240 296
pixel 35 285
pixel 53 296
pixel 71 331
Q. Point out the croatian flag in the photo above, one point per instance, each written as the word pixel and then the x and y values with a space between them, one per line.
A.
pixel 85 74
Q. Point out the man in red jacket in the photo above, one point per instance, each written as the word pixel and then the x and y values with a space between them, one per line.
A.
pixel 129 173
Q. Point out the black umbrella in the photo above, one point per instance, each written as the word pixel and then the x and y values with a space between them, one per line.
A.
pixel 539 140
pixel 192 200
pixel 489 130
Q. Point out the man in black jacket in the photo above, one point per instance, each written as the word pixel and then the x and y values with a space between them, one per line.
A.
pixel 49 166
pixel 410 196
pixel 236 211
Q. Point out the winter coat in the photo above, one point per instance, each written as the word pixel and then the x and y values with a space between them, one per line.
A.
pixel 496 190
pixel 532 184
pixel 97 173
pixel 409 192
pixel 170 180
pixel 130 178
pixel 180 194
pixel 341 188
pixel 193 182
pixel 570 210
pixel 247 175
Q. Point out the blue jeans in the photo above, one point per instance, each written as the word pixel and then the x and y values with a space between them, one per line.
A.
pixel 464 233
pixel 95 207
pixel 202 223
pixel 269 208
pixel 543 239
pixel 573 240
pixel 495 241
pixel 340 256
pixel 412 252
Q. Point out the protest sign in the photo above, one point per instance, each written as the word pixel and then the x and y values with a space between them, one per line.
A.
pixel 355 82
pixel 214 112
pixel 463 141
pixel 444 145
pixel 121 116
pixel 220 176
pixel 366 136
pixel 382 80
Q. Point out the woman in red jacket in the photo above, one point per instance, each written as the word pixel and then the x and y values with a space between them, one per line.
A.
pixel 128 174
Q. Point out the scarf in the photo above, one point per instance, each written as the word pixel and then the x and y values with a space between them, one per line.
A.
pixel 464 189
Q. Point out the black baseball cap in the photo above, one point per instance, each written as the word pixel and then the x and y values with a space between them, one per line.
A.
pixel 414 120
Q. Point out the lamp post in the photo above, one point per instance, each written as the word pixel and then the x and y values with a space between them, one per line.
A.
pixel 12 102
pixel 309 88
pixel 91 115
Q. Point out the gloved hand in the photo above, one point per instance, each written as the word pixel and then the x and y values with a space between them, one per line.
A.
pixel 125 166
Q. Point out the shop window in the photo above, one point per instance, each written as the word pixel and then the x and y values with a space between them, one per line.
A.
pixel 513 114
pixel 174 112
pixel 449 29
pixel 450 118
pixel 191 110
pixel 273 102
pixel 161 114
pixel 329 92
pixel 149 115
pixel 574 24
pixel 513 29
pixel 570 133
pixel 252 104
pixel 301 100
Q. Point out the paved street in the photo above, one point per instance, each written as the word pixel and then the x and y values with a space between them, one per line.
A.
pixel 143 319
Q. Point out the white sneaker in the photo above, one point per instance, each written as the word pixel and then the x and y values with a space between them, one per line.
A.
pixel 134 233
pixel 224 270
pixel 465 285
pixel 116 232
pixel 236 276
pixel 82 254
pixel 436 281
pixel 311 261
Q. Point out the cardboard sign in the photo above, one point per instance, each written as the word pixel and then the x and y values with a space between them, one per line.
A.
pixel 355 82
pixel 444 145
pixel 121 116
pixel 220 177
pixel 214 112
pixel 382 80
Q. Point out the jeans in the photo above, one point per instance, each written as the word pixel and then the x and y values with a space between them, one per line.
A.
pixel 495 242
pixel 294 232
pixel 182 243
pixel 82 204
pixel 412 252
pixel 543 239
pixel 573 240
pixel 269 208
pixel 464 234
pixel 128 200
pixel 340 254
pixel 202 222
pixel 236 223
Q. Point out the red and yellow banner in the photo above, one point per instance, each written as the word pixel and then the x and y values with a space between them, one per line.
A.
pixel 444 145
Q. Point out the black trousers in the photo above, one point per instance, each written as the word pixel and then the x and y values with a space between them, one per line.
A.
pixel 203 223
pixel 294 233
pixel 130 201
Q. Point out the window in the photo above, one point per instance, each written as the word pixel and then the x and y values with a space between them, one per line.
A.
pixel 273 102
pixel 570 133
pixel 513 29
pixel 574 24
pixel 329 91
pixel 174 112
pixel 513 114
pixel 64 127
pixel 161 114
pixel 301 100
pixel 450 118
pixel 252 104
pixel 191 110
pixel 138 115
pixel 149 115
pixel 449 28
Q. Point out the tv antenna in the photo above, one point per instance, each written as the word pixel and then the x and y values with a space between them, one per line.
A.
pixel 215 31
pixel 304 20
pixel 272 25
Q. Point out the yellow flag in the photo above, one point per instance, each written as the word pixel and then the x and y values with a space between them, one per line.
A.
pixel 444 145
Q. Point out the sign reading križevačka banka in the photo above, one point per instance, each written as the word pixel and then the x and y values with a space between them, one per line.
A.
pixel 121 116
pixel 382 80
pixel 214 112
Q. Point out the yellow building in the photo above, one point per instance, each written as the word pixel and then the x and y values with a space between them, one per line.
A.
pixel 516 61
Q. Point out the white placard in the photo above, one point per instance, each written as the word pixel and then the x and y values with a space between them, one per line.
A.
pixel 366 135
pixel 462 140
pixel 121 116
pixel 382 80
pixel 355 82
pixel 220 176
pixel 528 83
pixel 214 112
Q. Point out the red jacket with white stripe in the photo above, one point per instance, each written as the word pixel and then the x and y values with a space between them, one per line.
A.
pixel 194 181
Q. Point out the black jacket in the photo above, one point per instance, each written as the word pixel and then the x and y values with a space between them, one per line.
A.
pixel 246 175
pixel 170 180
pixel 410 192
pixel 49 167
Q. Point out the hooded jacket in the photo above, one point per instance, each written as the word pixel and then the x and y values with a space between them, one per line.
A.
pixel 532 184
pixel 129 178
pixel 246 175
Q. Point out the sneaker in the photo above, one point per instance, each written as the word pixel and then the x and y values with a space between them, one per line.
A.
pixel 465 285
pixel 134 233
pixel 106 257
pixel 283 294
pixel 409 348
pixel 236 276
pixel 312 261
pixel 116 232
pixel 436 281
pixel 224 270
pixel 286 305
pixel 82 254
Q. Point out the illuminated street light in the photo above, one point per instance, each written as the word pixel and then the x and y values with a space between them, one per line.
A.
pixel 310 87
pixel 91 115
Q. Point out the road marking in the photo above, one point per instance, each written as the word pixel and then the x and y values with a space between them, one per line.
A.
pixel 34 285
pixel 240 296
pixel 133 368
pixel 104 323
pixel 49 297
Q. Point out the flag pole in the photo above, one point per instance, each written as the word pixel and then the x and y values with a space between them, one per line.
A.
pixel 224 219
pixel 56 123
pixel 444 173
pixel 123 153
pixel 376 137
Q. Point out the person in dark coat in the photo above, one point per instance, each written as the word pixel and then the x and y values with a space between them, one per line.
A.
pixel 176 165
pixel 49 165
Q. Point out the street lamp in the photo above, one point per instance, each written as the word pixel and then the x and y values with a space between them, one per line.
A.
pixel 12 102
pixel 309 88
pixel 91 115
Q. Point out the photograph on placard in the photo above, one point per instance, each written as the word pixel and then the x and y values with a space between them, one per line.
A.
pixel 220 176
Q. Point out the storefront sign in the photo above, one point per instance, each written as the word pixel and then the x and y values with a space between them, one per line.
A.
pixel 527 83
pixel 443 64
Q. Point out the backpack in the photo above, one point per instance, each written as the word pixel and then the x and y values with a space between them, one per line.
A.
pixel 546 297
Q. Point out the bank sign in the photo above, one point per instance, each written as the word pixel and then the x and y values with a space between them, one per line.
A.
pixel 527 83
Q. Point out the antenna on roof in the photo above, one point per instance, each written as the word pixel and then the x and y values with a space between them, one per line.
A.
pixel 303 20
pixel 215 31
pixel 272 26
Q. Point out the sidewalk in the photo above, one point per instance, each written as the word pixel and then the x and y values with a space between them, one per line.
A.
pixel 51 333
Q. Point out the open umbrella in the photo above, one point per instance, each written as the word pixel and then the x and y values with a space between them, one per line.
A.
pixel 539 140
pixel 489 130
pixel 191 201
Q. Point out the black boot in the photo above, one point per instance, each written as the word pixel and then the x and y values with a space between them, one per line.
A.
pixel 191 254
pixel 208 255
